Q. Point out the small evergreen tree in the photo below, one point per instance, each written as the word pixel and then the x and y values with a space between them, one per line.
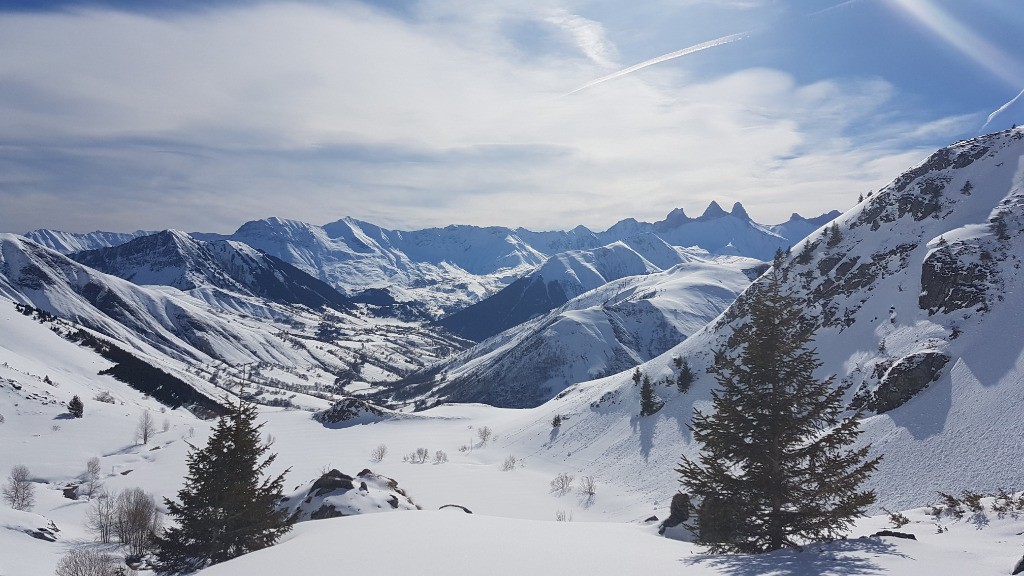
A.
pixel 775 469
pixel 649 403
pixel 75 407
pixel 226 508
pixel 686 377
pixel 834 236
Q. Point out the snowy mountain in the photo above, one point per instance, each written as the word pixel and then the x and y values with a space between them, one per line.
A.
pixel 175 259
pixel 68 242
pixel 606 330
pixel 332 350
pixel 566 275
pixel 443 270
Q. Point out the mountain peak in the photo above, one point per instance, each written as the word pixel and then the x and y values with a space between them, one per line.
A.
pixel 713 211
pixel 739 211
pixel 675 218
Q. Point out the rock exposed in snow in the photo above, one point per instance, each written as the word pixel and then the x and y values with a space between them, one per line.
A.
pixel 337 494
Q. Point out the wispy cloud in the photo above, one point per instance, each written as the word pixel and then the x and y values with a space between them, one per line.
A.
pixel 431 115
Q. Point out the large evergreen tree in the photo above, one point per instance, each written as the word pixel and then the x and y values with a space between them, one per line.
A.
pixel 776 469
pixel 227 508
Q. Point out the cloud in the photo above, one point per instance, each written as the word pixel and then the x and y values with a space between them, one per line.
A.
pixel 201 120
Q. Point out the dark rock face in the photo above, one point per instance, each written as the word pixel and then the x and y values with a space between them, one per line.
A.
pixel 679 512
pixel 324 512
pixel 1018 568
pixel 331 481
pixel 954 277
pixel 894 534
pixel 908 376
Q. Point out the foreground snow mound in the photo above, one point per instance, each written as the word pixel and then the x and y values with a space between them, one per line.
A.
pixel 337 494
pixel 472 544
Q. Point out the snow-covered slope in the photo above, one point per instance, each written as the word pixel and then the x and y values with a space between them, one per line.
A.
pixel 172 258
pixel 569 274
pixel 604 331
pixel 68 242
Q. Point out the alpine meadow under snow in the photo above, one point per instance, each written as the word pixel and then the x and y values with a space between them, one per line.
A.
pixel 424 429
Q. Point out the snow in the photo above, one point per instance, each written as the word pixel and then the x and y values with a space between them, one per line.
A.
pixel 961 432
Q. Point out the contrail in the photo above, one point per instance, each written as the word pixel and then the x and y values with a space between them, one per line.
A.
pixel 1002 109
pixel 695 48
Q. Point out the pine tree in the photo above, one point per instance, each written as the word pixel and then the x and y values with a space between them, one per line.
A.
pixel 75 407
pixel 686 376
pixel 775 469
pixel 226 508
pixel 835 236
pixel 649 403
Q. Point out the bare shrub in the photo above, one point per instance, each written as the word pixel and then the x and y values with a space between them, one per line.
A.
pixel 137 519
pixel 562 483
pixel 146 428
pixel 1 418
pixel 19 491
pixel 563 516
pixel 87 563
pixel 418 457
pixel 166 425
pixel 440 457
pixel 104 397
pixel 972 500
pixel 897 519
pixel 101 518
pixel 485 433
pixel 378 453
pixel 588 486
pixel 508 464
pixel 92 481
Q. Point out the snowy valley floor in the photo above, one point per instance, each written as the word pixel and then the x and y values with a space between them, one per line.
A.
pixel 512 530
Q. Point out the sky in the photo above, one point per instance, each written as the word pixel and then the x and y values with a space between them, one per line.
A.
pixel 121 115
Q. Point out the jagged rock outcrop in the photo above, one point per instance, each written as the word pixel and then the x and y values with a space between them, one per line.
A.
pixel 905 378
pixel 350 411
pixel 336 494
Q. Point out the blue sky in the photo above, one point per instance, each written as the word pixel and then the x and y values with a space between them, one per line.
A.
pixel 116 115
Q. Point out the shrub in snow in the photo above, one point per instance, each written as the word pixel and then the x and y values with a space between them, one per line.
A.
pixel 563 516
pixel 440 457
pixel 104 397
pixel 897 519
pixel 588 486
pixel 136 518
pixel 556 421
pixel 562 483
pixel 100 518
pixel 19 491
pixel 508 464
pixel 145 429
pixel 87 563
pixel 419 456
pixel 92 482
pixel 75 407
pixel 484 433
pixel 378 453
pixel 1 418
